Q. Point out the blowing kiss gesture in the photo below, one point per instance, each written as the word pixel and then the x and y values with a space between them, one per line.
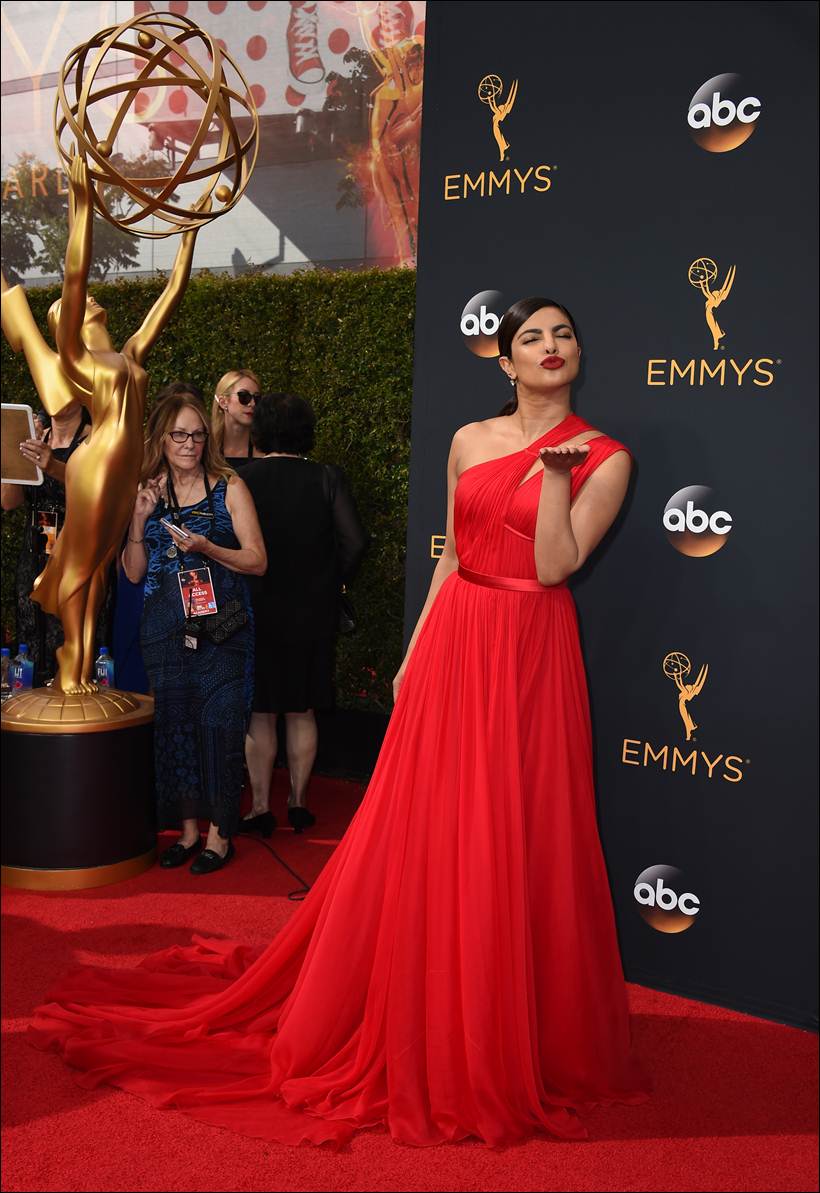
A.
pixel 563 458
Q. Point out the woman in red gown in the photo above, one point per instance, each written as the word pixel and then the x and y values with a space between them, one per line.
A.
pixel 454 971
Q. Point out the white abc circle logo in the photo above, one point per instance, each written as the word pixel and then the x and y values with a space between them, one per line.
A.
pixel 722 114
pixel 664 902
pixel 692 523
pixel 480 320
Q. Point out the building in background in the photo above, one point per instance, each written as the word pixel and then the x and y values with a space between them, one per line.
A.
pixel 338 89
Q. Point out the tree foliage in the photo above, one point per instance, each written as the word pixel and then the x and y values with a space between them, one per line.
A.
pixel 34 219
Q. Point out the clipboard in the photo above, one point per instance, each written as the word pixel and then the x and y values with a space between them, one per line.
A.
pixel 17 425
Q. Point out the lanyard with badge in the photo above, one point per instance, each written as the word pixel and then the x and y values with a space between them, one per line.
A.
pixel 196 588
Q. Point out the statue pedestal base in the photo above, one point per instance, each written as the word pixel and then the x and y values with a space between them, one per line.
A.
pixel 78 789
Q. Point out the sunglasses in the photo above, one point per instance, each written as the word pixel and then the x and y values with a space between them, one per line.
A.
pixel 184 436
pixel 245 396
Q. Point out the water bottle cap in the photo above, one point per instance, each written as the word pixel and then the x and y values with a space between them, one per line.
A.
pixel 23 646
pixel 103 650
pixel 4 651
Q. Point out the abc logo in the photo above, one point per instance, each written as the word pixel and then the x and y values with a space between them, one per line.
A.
pixel 722 114
pixel 479 322
pixel 663 900
pixel 693 525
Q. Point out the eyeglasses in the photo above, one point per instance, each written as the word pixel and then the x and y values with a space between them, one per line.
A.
pixel 245 396
pixel 184 436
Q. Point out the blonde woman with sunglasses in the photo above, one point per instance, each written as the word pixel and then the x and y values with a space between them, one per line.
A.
pixel 234 402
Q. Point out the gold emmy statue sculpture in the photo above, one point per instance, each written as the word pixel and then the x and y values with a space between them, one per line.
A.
pixel 395 128
pixel 103 473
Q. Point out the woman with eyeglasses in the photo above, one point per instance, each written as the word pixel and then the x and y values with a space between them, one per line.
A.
pixel 194 536
pixel 234 402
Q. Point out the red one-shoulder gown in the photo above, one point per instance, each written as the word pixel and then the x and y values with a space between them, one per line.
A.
pixel 454 972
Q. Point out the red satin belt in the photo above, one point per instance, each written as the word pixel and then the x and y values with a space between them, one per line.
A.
pixel 511 583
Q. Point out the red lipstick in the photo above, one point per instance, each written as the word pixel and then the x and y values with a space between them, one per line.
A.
pixel 552 362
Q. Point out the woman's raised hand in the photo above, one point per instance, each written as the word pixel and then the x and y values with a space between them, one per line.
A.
pixel 147 498
pixel 563 458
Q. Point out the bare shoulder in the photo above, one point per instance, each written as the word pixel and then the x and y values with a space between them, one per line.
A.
pixel 466 434
pixel 236 487
pixel 473 435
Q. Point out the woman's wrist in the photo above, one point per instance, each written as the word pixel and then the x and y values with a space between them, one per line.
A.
pixel 557 474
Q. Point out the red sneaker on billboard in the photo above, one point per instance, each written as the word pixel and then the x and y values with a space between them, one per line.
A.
pixel 304 63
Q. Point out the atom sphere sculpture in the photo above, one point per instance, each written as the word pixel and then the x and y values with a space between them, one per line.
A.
pixel 157 50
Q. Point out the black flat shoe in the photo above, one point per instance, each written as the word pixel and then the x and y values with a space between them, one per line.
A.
pixel 209 860
pixel 264 824
pixel 299 818
pixel 178 854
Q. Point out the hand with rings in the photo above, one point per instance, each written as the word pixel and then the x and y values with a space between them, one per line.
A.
pixel 37 452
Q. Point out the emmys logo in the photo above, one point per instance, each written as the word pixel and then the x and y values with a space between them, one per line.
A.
pixel 489 89
pixel 675 666
pixel 702 273
pixel 511 180
pixel 722 371
pixel 660 903
pixel 689 526
pixel 479 322
pixel 637 752
pixel 720 116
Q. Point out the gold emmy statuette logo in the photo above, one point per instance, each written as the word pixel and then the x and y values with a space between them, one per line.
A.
pixel 675 667
pixel 702 273
pixel 489 89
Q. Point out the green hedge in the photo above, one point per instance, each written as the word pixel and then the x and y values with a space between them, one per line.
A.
pixel 343 340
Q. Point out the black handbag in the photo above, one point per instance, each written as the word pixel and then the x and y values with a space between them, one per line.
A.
pixel 220 626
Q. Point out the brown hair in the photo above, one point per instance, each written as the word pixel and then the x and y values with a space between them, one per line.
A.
pixel 161 420
pixel 228 381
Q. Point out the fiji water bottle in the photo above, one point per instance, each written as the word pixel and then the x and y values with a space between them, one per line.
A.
pixel 5 666
pixel 104 669
pixel 22 671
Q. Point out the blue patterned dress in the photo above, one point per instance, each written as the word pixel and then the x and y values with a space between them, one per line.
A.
pixel 202 697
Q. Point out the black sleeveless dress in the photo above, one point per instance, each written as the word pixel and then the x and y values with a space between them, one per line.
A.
pixel 314 540
pixel 42 632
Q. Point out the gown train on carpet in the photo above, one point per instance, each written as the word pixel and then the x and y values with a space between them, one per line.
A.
pixel 454 971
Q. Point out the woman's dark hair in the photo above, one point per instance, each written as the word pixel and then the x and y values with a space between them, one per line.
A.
pixel 283 423
pixel 173 388
pixel 516 317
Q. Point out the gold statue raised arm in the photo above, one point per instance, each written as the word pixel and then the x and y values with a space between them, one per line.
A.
pixel 102 475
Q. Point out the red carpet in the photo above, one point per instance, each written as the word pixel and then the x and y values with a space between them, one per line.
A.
pixel 734 1107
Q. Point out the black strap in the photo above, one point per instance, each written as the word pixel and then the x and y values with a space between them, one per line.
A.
pixel 174 505
pixel 176 512
pixel 74 442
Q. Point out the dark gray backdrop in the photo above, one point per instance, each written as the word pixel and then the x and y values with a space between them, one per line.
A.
pixel 603 96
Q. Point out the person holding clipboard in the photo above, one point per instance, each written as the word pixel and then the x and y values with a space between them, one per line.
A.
pixel 41 489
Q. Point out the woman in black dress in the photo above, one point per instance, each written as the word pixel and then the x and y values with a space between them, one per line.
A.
pixel 314 541
pixel 45 514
